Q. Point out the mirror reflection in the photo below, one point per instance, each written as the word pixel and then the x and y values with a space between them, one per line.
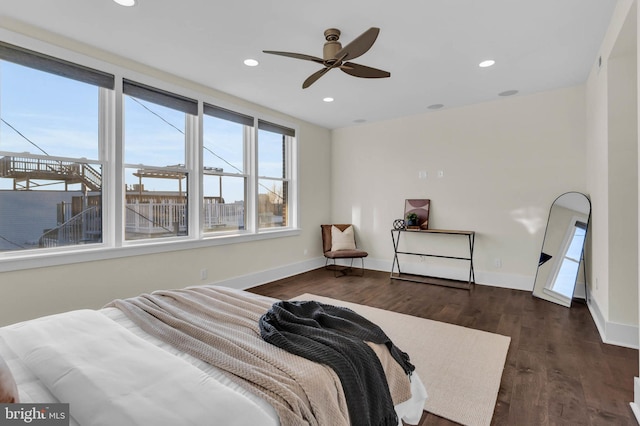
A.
pixel 561 260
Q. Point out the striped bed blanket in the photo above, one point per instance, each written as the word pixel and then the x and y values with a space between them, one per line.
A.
pixel 221 326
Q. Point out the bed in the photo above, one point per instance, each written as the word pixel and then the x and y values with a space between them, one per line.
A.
pixel 113 367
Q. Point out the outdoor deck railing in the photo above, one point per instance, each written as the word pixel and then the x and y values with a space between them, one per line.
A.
pixel 217 215
pixel 143 219
pixel 171 217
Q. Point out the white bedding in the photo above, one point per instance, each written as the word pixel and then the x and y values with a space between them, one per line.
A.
pixel 135 384
pixel 143 381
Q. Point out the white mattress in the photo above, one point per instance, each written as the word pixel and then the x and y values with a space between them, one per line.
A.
pixel 33 389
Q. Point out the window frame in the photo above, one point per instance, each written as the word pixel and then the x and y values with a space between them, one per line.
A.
pixel 290 169
pixel 111 134
pixel 248 140
pixel 91 75
pixel 177 102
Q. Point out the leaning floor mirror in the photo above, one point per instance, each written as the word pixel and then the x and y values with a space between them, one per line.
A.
pixel 561 259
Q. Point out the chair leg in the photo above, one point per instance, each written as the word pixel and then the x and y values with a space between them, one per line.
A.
pixel 361 267
pixel 332 267
pixel 339 272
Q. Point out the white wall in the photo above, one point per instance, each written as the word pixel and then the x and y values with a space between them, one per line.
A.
pixel 612 158
pixel 623 189
pixel 612 152
pixel 504 163
pixel 40 291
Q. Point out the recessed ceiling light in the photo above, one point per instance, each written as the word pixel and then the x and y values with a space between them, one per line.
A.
pixel 127 3
pixel 508 93
pixel 487 63
pixel 251 62
pixel 328 99
pixel 435 106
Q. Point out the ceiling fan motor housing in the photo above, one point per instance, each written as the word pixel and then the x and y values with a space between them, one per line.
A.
pixel 332 45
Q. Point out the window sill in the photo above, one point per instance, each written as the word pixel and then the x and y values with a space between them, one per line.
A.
pixel 16 261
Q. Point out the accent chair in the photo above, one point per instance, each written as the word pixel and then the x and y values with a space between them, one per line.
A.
pixel 339 242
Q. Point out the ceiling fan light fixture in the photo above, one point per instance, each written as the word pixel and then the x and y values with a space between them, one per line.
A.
pixel 126 3
pixel 487 63
pixel 251 62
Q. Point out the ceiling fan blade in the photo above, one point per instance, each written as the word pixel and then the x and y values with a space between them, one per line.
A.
pixel 314 77
pixel 359 45
pixel 363 71
pixel 295 56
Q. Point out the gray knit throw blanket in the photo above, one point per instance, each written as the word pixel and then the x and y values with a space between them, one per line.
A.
pixel 336 336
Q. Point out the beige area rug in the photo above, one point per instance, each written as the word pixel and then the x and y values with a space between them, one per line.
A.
pixel 461 367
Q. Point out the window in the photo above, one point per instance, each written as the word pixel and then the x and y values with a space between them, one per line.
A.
pixel 274 164
pixel 226 136
pixel 50 151
pixel 156 174
pixel 180 171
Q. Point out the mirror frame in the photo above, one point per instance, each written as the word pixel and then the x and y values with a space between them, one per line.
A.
pixel 540 281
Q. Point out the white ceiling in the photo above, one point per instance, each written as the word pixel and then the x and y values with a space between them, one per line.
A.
pixel 431 47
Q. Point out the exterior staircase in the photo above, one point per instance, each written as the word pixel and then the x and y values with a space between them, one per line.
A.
pixel 83 228
pixel 26 171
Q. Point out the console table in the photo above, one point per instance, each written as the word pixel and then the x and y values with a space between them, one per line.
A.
pixel 399 275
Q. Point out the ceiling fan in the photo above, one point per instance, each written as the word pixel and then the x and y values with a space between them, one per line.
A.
pixel 334 56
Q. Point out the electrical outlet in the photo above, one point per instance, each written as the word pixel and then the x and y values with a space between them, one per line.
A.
pixel 422 174
pixel 203 274
pixel 306 252
pixel 440 173
pixel 497 262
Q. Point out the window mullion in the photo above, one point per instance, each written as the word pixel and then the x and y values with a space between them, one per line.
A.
pixel 294 194
pixel 251 166
pixel 194 166
pixel 106 141
pixel 118 191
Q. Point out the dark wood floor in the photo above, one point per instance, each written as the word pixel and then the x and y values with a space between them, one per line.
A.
pixel 557 372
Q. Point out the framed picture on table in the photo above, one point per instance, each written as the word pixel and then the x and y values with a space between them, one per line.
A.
pixel 420 207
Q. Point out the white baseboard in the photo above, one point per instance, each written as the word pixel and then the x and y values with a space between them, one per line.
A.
pixel 636 411
pixel 493 279
pixel 635 405
pixel 512 281
pixel 254 279
pixel 614 333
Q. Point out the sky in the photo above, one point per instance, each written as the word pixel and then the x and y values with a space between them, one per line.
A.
pixel 49 115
